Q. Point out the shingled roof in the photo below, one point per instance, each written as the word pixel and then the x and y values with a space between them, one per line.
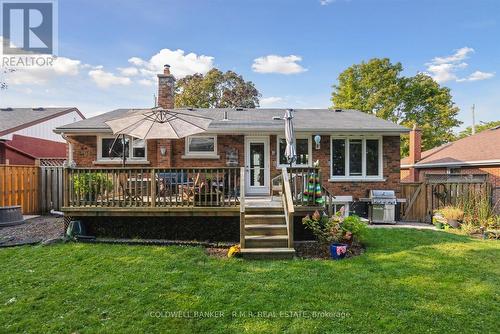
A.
pixel 259 120
pixel 13 119
pixel 482 148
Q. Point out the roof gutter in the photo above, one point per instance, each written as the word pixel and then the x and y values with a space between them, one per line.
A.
pixel 454 164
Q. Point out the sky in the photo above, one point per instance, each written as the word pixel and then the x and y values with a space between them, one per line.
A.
pixel 110 51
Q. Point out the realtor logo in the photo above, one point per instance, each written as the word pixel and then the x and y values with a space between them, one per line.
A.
pixel 28 27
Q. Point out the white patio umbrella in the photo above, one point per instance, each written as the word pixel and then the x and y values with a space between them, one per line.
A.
pixel 290 151
pixel 158 123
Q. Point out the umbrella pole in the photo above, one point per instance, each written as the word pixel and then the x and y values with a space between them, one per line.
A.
pixel 123 149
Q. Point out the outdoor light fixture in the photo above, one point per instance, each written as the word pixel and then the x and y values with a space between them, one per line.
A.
pixel 317 140
pixel 163 151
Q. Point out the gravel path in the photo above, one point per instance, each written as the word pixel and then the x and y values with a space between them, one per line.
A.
pixel 37 229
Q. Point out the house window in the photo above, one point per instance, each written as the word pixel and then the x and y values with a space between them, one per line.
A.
pixel 356 158
pixel 303 148
pixel 338 157
pixel 372 157
pixel 201 145
pixel 110 148
pixel 138 148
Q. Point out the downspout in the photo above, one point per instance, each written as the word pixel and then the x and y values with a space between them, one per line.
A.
pixel 70 148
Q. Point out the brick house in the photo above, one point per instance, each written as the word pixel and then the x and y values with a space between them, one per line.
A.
pixel 478 154
pixel 365 148
pixel 238 158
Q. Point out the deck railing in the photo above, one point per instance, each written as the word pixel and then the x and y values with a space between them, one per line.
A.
pixel 288 206
pixel 153 187
pixel 305 184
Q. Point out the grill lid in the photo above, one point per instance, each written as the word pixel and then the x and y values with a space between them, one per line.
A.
pixel 389 194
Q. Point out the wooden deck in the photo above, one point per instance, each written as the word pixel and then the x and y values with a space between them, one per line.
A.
pixel 129 191
pixel 266 222
pixel 251 202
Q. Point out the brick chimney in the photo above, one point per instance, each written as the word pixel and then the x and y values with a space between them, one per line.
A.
pixel 166 82
pixel 415 151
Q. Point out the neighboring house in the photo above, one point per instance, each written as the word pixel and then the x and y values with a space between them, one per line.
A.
pixel 26 134
pixel 357 152
pixel 22 150
pixel 474 156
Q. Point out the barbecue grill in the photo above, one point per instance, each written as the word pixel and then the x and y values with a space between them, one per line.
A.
pixel 382 206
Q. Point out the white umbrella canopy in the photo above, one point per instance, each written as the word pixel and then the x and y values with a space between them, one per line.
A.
pixel 290 151
pixel 159 123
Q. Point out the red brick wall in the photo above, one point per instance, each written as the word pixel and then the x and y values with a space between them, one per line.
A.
pixel 224 143
pixel 84 150
pixel 85 153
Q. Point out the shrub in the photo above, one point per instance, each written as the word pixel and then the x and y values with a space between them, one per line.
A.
pixel 452 213
pixel 91 185
pixel 335 229
pixel 478 210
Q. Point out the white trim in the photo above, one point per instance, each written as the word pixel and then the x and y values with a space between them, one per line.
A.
pixel 460 163
pixel 119 162
pixel 260 190
pixel 200 155
pixel 363 177
pixel 309 149
pixel 129 160
pixel 342 199
pixel 352 179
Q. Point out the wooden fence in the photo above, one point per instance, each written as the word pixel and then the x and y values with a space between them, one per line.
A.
pixel 19 186
pixel 51 188
pixel 423 198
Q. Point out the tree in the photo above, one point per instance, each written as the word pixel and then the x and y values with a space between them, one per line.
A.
pixel 485 126
pixel 3 74
pixel 377 87
pixel 216 90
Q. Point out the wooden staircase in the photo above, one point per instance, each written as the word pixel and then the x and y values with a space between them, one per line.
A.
pixel 267 232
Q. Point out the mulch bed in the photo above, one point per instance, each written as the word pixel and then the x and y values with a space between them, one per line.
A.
pixel 303 249
pixel 39 229
pixel 220 252
pixel 313 250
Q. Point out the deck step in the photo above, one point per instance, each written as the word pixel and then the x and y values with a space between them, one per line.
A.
pixel 266 241
pixel 264 219
pixel 268 253
pixel 265 229
pixel 263 211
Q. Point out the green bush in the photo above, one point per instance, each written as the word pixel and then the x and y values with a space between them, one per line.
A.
pixel 478 210
pixel 335 229
pixel 91 185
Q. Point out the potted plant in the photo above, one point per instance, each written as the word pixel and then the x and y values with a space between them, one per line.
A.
pixel 453 215
pixel 438 220
pixel 336 232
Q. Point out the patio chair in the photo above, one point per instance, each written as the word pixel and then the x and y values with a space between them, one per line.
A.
pixel 188 192
pixel 126 191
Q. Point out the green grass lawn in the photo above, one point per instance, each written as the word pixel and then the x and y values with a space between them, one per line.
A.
pixel 407 281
